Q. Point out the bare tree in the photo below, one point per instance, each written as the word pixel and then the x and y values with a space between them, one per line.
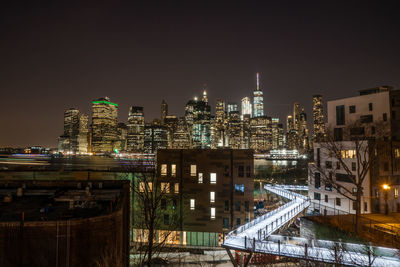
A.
pixel 350 161
pixel 155 214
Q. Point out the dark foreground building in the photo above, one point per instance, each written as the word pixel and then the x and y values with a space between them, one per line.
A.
pixel 211 191
pixel 64 223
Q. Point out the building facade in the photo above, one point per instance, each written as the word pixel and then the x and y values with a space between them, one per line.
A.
pixel 213 190
pixel 104 125
pixel 135 128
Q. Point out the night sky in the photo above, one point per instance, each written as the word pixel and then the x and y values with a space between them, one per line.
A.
pixel 60 54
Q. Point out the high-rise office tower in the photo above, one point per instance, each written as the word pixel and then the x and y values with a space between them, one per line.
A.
pixel 260 133
pixel 198 118
pixel 231 107
pixel 296 116
pixel 303 131
pixel 75 136
pixel 291 133
pixel 219 126
pixel 318 119
pixel 122 132
pixel 104 125
pixel 164 111
pixel 234 130
pixel 246 106
pixel 171 122
pixel 277 133
pixel 258 100
pixel 181 135
pixel 135 127
pixel 155 137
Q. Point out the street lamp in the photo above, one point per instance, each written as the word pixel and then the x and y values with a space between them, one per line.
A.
pixel 386 188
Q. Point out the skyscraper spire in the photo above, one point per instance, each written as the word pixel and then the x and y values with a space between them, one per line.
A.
pixel 258 100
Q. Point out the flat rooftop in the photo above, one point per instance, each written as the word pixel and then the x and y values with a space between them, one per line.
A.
pixel 58 200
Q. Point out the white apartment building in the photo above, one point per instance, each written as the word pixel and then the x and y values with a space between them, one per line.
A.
pixel 375 114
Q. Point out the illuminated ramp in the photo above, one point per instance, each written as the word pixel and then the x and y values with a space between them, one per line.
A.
pixel 251 238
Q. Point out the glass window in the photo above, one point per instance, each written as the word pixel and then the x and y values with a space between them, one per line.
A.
pixel 340 115
pixel 226 205
pixel 384 117
pixel 212 213
pixel 370 106
pixel 173 170
pixel 200 178
pixel 396 192
pixel 353 166
pixel 166 219
pixel 163 204
pixel 145 187
pixel 326 198
pixel 163 169
pixel 352 109
pixel 365 206
pixel 246 206
pixel 212 197
pixel 193 170
pixel 354 205
pixel 328 164
pixel 317 196
pixel 237 221
pixel 176 188
pixel 317 180
pixel 192 204
pixel 241 171
pixel 239 188
pixel 248 171
pixel 338 201
pixel 225 223
pixel 237 205
pixel 213 178
pixel 165 188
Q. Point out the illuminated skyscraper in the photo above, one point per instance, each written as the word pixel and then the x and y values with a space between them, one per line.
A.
pixel 104 125
pixel 181 136
pixel 231 107
pixel 219 126
pixel 75 136
pixel 234 130
pixel 198 118
pixel 246 106
pixel 318 119
pixel 260 133
pixel 171 122
pixel 155 137
pixel 164 111
pixel 122 131
pixel 258 100
pixel 135 127
pixel 277 133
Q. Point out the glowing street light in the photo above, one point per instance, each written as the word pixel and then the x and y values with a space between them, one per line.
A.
pixel 386 187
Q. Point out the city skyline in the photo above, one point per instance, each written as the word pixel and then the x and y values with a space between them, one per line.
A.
pixel 137 54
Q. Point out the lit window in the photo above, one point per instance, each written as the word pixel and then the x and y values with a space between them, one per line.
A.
pixel 212 213
pixel 193 170
pixel 396 192
pixel 173 170
pixel 163 169
pixel 176 189
pixel 192 204
pixel 200 178
pixel 145 187
pixel 213 178
pixel 397 153
pixel 212 197
pixel 348 154
pixel 165 188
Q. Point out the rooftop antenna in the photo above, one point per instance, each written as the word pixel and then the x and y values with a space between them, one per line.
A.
pixel 258 81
